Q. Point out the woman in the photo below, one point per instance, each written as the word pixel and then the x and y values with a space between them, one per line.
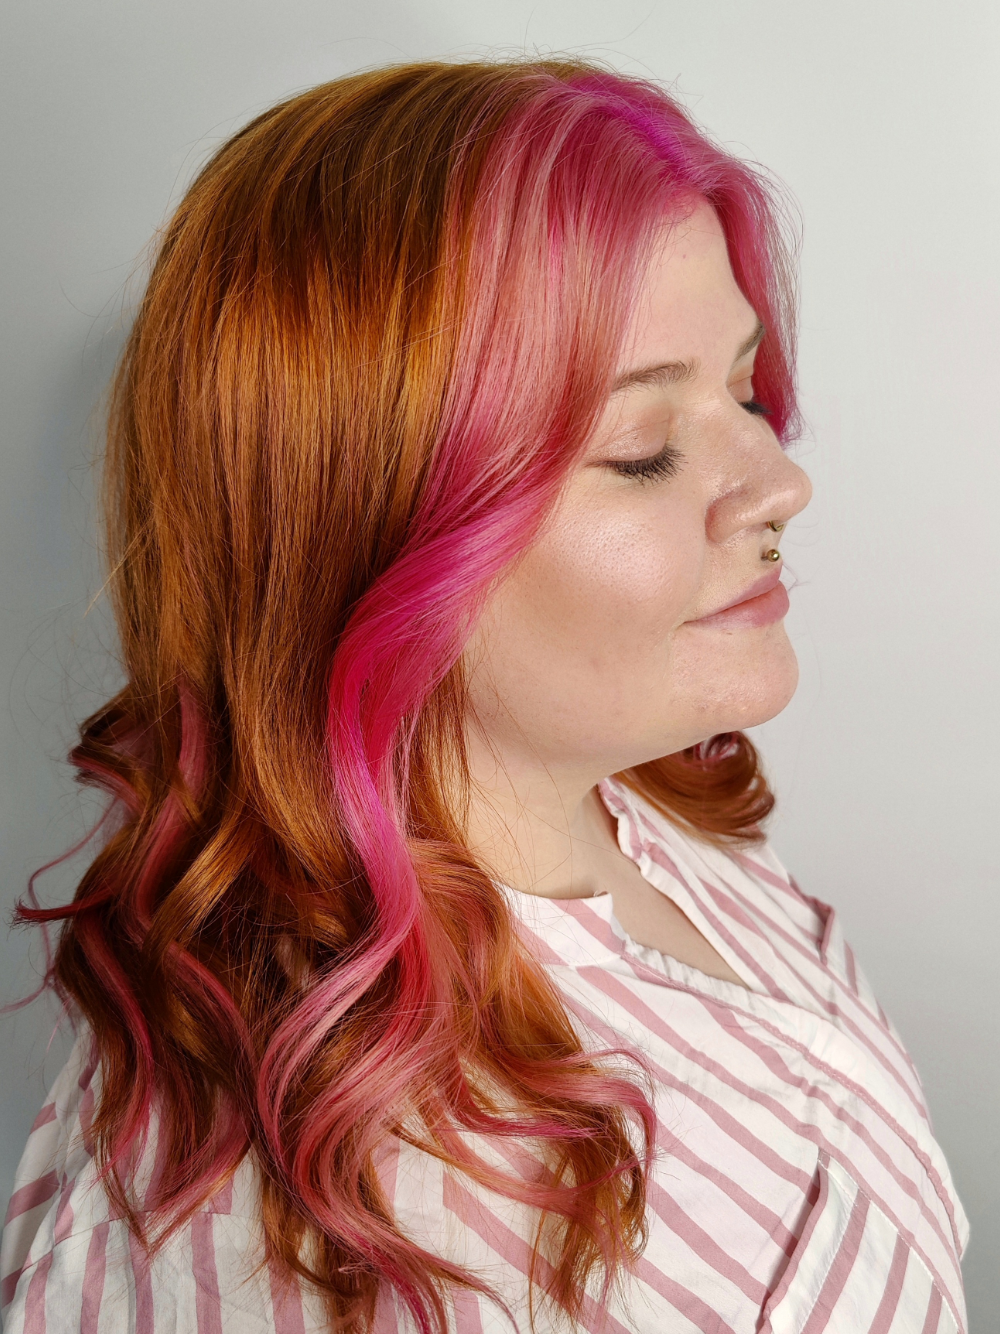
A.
pixel 433 973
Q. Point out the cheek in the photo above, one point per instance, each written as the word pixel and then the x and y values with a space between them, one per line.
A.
pixel 604 583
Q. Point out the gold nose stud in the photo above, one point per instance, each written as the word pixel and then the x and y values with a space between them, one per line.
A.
pixel 774 527
pixel 773 554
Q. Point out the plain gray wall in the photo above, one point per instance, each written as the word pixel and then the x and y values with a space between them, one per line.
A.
pixel 883 119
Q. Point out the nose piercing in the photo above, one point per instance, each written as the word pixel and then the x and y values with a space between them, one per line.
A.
pixel 773 554
pixel 775 527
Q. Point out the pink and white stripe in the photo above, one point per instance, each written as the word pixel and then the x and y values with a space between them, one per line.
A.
pixel 797 1188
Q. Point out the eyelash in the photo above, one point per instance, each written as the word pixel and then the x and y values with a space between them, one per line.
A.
pixel 664 464
pixel 667 462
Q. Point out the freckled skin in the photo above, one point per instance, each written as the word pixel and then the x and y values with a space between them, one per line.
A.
pixel 589 657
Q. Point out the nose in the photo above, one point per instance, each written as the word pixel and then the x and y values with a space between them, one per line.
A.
pixel 764 486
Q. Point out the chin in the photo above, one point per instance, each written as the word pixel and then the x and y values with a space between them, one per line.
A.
pixel 746 692
pixel 769 688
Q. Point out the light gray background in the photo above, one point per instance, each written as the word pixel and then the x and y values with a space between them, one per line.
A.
pixel 883 119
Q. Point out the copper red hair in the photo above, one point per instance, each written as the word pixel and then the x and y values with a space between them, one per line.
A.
pixel 378 327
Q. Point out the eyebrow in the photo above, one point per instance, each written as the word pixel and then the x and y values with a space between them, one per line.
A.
pixel 677 372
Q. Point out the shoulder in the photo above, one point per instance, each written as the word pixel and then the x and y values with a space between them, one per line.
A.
pixel 56 1154
pixel 209 1274
pixel 68 1263
pixel 813 921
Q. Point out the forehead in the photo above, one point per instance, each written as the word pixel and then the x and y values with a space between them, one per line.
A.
pixel 689 304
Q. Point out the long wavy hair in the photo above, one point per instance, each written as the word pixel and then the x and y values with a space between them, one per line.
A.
pixel 378 329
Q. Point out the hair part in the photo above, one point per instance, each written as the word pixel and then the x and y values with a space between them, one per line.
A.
pixel 379 328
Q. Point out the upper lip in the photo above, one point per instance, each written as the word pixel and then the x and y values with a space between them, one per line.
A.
pixel 757 589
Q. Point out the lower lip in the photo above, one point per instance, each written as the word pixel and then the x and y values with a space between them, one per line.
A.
pixel 764 610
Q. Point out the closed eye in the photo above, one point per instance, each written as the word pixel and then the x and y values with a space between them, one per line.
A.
pixel 757 409
pixel 664 464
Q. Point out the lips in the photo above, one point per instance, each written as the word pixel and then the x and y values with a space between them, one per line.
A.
pixel 763 603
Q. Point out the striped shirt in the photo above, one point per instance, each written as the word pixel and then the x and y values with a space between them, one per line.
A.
pixel 797 1187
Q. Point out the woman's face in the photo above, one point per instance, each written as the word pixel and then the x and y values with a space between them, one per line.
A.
pixel 607 644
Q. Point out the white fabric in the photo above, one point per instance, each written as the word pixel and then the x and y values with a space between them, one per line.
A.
pixel 798 1187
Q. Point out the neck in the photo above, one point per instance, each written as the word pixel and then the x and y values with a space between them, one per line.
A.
pixel 536 827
